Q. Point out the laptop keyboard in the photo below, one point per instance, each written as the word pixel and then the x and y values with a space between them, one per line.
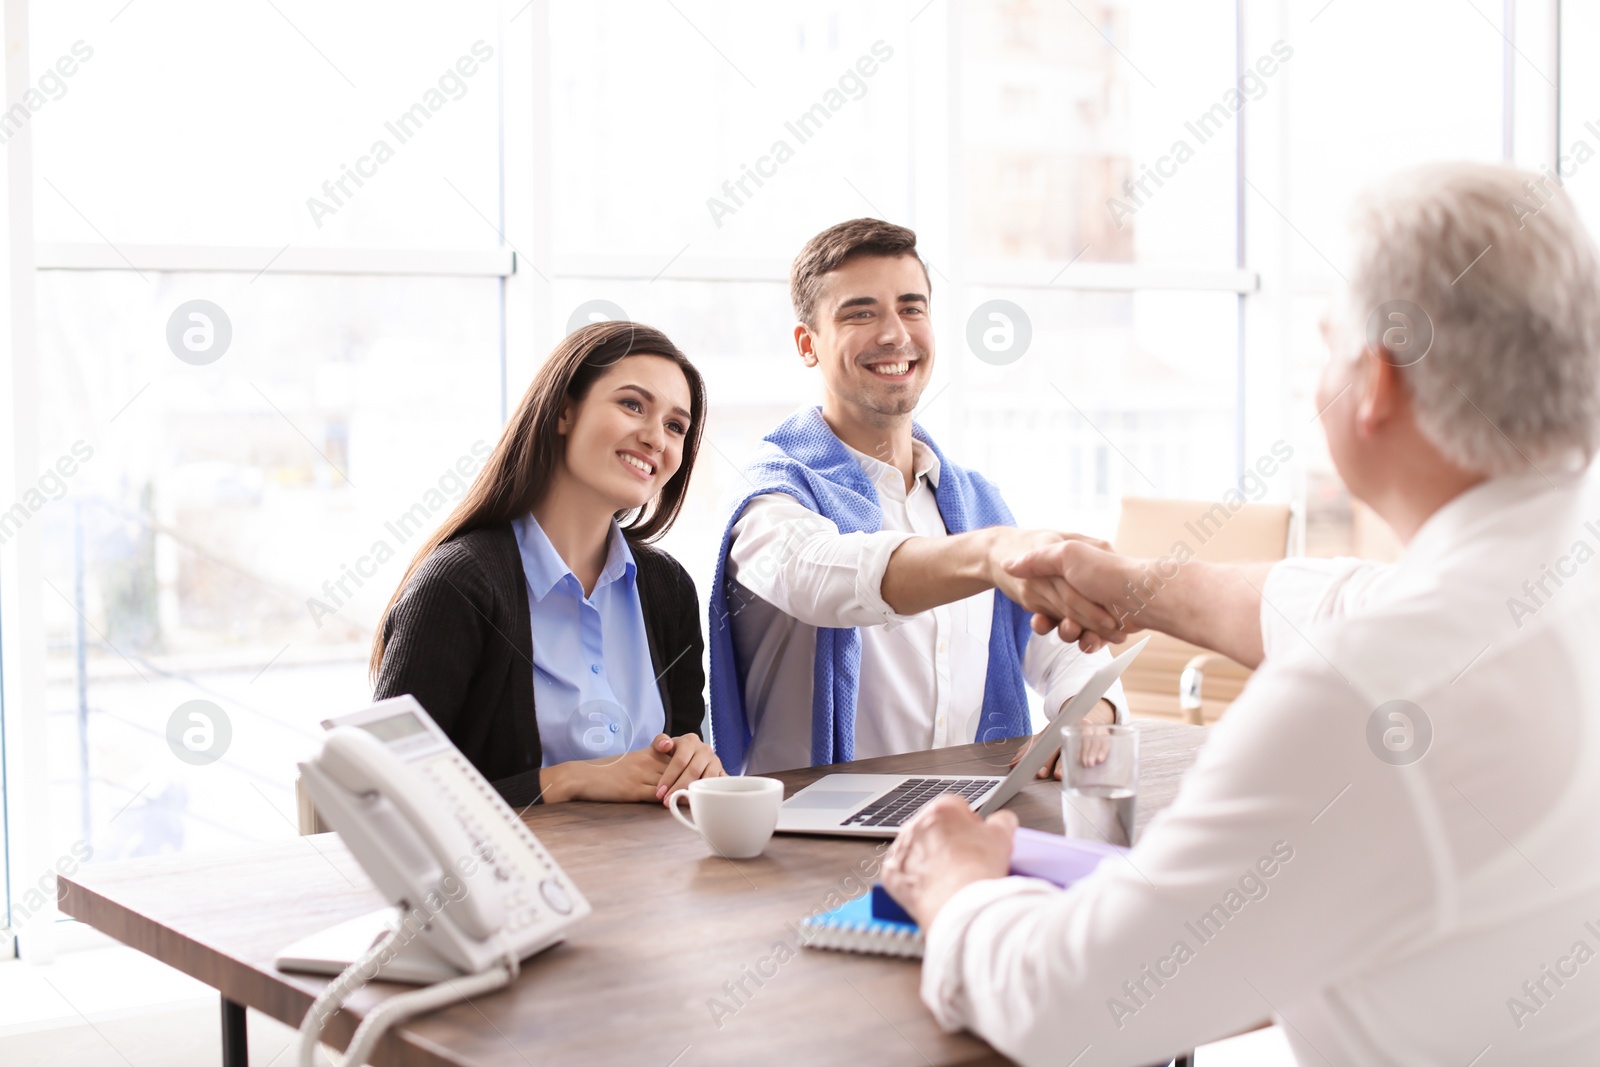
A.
pixel 902 802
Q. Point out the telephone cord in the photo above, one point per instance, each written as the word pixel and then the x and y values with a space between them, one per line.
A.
pixel 396 1008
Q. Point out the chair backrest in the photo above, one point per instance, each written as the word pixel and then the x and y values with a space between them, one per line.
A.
pixel 1210 531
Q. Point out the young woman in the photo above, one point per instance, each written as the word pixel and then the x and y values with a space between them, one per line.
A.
pixel 559 651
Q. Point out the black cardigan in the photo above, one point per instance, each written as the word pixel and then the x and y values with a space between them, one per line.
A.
pixel 460 641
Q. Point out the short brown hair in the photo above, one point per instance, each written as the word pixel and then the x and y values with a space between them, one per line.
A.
pixel 837 245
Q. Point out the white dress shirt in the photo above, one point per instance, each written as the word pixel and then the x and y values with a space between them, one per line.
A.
pixel 1383 913
pixel 922 676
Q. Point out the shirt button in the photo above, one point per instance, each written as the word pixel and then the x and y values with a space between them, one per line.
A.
pixel 944 646
pixel 594 668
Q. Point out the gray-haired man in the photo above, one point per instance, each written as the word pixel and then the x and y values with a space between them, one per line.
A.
pixel 1391 842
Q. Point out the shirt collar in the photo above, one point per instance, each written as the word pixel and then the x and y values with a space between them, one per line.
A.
pixel 545 568
pixel 924 464
pixel 1460 518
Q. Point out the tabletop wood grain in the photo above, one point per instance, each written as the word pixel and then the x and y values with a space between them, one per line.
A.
pixel 652 977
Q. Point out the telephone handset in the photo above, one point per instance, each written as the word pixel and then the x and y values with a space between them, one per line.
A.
pixel 473 883
pixel 476 892
pixel 414 849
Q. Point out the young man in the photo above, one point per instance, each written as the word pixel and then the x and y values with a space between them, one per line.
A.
pixel 859 606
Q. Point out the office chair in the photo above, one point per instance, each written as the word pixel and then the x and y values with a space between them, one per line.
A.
pixel 1173 679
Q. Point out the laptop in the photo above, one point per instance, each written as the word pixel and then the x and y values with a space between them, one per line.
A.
pixel 877 805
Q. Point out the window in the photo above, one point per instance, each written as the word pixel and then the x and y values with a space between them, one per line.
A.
pixel 1578 147
pixel 296 262
pixel 269 333
pixel 233 529
pixel 1442 97
pixel 1001 131
pixel 205 124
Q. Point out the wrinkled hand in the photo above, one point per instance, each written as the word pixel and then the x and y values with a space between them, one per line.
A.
pixel 1044 595
pixel 942 850
pixel 1092 588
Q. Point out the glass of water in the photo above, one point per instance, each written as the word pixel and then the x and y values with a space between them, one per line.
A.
pixel 1099 781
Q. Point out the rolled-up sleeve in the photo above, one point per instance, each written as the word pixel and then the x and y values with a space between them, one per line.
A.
pixel 1302 592
pixel 799 562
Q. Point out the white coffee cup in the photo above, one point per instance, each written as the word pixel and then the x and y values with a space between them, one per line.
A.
pixel 736 815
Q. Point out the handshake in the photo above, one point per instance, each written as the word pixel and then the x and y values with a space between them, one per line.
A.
pixel 1084 590
pixel 1090 594
pixel 1075 585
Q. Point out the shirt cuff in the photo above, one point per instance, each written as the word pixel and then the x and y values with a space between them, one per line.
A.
pixel 1066 689
pixel 871 566
pixel 1122 715
pixel 944 944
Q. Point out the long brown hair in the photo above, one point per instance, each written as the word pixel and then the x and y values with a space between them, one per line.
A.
pixel 518 472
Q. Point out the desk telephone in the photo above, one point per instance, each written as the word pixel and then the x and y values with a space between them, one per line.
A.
pixel 475 892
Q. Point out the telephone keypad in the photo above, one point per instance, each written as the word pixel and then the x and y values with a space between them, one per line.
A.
pixel 555 896
pixel 538 898
pixel 517 879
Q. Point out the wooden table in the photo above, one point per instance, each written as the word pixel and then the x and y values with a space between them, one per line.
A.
pixel 649 978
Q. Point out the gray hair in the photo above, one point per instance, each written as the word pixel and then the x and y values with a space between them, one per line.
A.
pixel 1501 277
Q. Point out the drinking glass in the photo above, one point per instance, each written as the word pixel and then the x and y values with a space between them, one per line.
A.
pixel 1099 781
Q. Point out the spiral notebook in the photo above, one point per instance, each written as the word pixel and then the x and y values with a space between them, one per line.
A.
pixel 873 923
pixel 851 927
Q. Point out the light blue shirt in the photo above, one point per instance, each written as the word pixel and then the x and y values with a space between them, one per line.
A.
pixel 594 689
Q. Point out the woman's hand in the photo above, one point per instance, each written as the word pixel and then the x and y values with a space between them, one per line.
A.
pixel 631 777
pixel 651 773
pixel 692 758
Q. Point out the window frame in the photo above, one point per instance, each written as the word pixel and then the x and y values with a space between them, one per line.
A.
pixel 1265 278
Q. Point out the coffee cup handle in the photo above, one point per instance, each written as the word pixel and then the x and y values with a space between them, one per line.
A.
pixel 677 812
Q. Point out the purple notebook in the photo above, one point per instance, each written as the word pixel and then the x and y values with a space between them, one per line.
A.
pixel 1062 860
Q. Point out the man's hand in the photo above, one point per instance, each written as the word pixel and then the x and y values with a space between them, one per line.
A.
pixel 942 850
pixel 1047 595
pixel 1213 605
pixel 1089 591
pixel 925 572
pixel 1094 751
